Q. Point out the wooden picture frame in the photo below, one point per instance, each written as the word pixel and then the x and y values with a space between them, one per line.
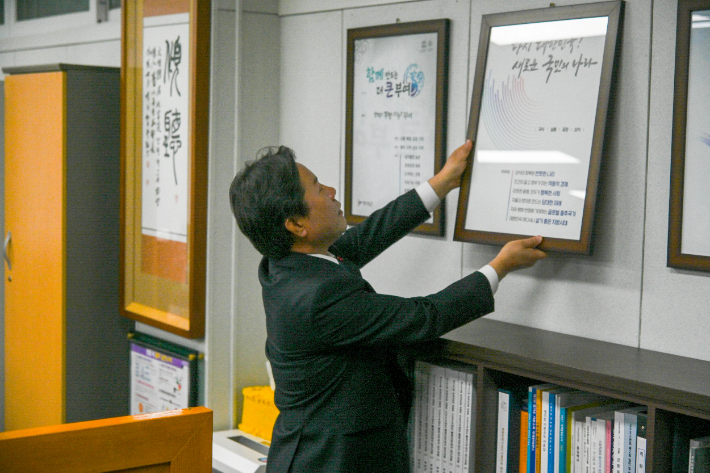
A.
pixel 688 246
pixel 165 62
pixel 179 440
pixel 395 125
pixel 538 118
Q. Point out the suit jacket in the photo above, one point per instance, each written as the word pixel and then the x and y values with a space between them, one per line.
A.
pixel 331 340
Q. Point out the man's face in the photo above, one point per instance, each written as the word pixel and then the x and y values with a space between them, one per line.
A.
pixel 325 222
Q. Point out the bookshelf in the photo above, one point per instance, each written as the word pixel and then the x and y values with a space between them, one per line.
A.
pixel 675 389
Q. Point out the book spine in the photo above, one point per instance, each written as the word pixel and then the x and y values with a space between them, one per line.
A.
pixel 618 460
pixel 445 426
pixel 460 408
pixel 538 434
pixel 454 419
pixel 524 422
pixel 564 449
pixel 551 434
pixel 630 442
pixel 469 419
pixel 640 455
pixel 586 443
pixel 608 447
pixel 545 433
pixel 532 429
pixel 503 431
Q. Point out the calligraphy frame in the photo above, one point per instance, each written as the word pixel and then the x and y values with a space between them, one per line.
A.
pixel 175 303
pixel 682 158
pixel 613 11
pixel 353 160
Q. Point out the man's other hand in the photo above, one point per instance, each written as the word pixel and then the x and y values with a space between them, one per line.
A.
pixel 518 254
pixel 449 177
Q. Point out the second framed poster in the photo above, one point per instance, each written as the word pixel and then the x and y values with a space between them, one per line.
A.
pixel 689 219
pixel 538 119
pixel 396 115
pixel 164 133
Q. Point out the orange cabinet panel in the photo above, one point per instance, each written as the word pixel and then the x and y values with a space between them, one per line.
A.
pixel 65 344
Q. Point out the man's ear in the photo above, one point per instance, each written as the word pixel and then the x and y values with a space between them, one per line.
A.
pixel 295 226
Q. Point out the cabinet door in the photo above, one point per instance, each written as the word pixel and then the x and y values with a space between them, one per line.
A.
pixel 34 278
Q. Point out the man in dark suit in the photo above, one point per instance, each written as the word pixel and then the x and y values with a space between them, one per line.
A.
pixel 331 339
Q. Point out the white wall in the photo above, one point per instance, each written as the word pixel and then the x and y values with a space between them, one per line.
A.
pixel 623 293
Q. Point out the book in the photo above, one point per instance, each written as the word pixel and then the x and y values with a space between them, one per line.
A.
pixel 461 423
pixel 626 421
pixel 469 451
pixel 534 425
pixel 453 419
pixel 418 416
pixel 504 400
pixel 695 445
pixel 700 456
pixel 523 463
pixel 641 442
pixel 508 438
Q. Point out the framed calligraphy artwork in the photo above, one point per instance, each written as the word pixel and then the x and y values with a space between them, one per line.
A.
pixel 689 219
pixel 538 118
pixel 164 128
pixel 396 115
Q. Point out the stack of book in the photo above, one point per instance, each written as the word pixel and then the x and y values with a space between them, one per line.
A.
pixel 564 430
pixel 442 419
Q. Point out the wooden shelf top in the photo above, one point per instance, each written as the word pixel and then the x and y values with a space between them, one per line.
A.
pixel 666 381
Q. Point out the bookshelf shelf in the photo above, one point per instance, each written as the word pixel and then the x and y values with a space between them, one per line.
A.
pixel 676 390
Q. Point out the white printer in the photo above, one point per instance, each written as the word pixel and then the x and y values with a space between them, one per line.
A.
pixel 234 451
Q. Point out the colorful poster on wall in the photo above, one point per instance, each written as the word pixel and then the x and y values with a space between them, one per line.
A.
pixel 160 379
pixel 165 147
pixel 396 104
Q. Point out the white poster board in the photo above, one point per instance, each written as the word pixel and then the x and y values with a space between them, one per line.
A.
pixel 534 139
pixel 538 117
pixel 696 183
pixel 395 108
pixel 166 43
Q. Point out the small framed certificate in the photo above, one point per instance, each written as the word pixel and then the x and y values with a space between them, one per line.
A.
pixel 396 115
pixel 538 118
pixel 689 219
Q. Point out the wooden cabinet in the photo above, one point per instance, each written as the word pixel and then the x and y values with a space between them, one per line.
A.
pixel 66 353
pixel 676 390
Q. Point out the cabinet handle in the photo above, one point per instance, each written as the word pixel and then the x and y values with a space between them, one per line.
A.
pixel 8 237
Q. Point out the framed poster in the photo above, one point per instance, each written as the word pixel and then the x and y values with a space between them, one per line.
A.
pixel 689 219
pixel 396 115
pixel 164 132
pixel 164 376
pixel 538 117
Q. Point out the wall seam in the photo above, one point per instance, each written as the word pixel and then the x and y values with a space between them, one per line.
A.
pixel 645 193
